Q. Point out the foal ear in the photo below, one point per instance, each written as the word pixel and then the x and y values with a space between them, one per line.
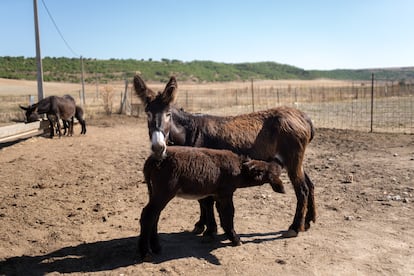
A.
pixel 170 92
pixel 143 92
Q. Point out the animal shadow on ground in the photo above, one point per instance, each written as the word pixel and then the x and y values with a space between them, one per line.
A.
pixel 116 253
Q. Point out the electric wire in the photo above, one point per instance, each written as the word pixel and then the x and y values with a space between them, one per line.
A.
pixel 58 30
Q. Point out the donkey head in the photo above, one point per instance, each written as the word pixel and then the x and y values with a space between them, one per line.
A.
pixel 263 171
pixel 157 107
pixel 31 114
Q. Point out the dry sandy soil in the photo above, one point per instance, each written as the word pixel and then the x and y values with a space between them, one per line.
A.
pixel 72 205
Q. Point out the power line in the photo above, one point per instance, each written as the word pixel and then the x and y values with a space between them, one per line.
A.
pixel 58 30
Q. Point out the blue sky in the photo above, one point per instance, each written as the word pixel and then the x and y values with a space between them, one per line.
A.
pixel 319 34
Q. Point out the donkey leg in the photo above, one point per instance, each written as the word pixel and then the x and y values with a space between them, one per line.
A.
pixel 311 214
pixel 200 224
pixel 49 118
pixel 71 123
pixel 58 125
pixel 146 222
pixel 149 241
pixel 154 239
pixel 302 192
pixel 83 127
pixel 211 225
pixel 206 217
pixel 149 235
pixel 64 123
pixel 226 212
pixel 277 186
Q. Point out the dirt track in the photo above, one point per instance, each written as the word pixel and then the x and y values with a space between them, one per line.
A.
pixel 72 205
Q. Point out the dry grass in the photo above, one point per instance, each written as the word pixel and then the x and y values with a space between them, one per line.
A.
pixel 331 104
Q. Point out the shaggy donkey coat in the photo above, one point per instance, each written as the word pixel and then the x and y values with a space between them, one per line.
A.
pixel 279 134
pixel 195 173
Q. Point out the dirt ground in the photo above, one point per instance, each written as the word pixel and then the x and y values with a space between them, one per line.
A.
pixel 72 205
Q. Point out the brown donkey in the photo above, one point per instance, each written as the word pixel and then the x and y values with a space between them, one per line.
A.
pixel 55 108
pixel 279 134
pixel 194 173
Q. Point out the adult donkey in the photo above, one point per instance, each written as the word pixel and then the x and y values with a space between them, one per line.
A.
pixel 55 108
pixel 279 134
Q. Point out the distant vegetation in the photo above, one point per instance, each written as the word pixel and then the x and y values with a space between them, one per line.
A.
pixel 68 70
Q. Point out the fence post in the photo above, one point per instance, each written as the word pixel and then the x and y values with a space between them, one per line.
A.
pixel 252 96
pixel 372 101
pixel 82 100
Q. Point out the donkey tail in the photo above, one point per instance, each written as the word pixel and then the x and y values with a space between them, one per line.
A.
pixel 311 127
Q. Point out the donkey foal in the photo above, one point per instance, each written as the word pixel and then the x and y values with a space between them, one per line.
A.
pixel 195 173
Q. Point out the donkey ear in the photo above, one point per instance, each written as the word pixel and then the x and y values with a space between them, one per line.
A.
pixel 22 107
pixel 170 92
pixel 143 92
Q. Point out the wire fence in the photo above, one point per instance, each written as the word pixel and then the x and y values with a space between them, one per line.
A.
pixel 383 107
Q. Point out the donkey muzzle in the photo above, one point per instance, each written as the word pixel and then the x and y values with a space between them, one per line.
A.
pixel 158 145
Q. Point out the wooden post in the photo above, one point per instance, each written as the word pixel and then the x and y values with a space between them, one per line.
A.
pixel 83 82
pixel 96 80
pixel 124 97
pixel 372 101
pixel 252 95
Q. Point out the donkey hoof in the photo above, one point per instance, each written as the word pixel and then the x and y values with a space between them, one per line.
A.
pixel 290 234
pixel 279 189
pixel 208 238
pixel 236 243
pixel 198 230
pixel 147 258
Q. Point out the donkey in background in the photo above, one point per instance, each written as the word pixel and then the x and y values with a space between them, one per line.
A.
pixel 56 108
pixel 79 117
pixel 279 134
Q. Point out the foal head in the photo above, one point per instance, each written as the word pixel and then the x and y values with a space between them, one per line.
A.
pixel 157 107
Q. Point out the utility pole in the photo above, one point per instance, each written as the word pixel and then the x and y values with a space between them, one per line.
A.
pixel 40 94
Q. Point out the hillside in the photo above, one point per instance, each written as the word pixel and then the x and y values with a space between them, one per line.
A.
pixel 68 70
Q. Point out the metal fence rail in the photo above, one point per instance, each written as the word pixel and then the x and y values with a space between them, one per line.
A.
pixel 329 107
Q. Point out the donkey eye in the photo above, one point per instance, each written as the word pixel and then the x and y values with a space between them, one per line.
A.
pixel 168 115
pixel 149 116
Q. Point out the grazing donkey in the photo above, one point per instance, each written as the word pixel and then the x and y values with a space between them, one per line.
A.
pixel 280 134
pixel 54 107
pixel 195 173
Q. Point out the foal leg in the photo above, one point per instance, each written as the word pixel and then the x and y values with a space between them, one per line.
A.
pixel 148 222
pixel 154 239
pixel 51 122
pixel 64 123
pixel 226 212
pixel 206 217
pixel 71 123
pixel 58 125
